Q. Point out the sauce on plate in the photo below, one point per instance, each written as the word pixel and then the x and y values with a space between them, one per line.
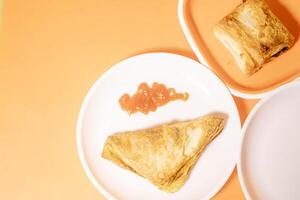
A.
pixel 148 99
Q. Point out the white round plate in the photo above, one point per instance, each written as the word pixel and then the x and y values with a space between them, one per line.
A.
pixel 101 116
pixel 269 163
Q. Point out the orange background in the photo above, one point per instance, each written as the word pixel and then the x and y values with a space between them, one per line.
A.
pixel 51 52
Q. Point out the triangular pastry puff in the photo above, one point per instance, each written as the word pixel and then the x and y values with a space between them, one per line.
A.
pixel 164 154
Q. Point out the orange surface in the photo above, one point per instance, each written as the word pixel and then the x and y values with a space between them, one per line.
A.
pixel 51 52
pixel 204 14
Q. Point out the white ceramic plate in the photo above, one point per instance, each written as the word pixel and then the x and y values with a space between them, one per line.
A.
pixel 269 164
pixel 101 116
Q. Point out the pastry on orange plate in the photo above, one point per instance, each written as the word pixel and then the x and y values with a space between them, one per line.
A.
pixel 253 35
pixel 164 154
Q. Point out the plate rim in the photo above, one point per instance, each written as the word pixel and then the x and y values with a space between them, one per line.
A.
pixel 246 125
pixel 102 77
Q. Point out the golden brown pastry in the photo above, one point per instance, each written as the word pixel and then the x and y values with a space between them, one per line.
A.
pixel 253 35
pixel 164 154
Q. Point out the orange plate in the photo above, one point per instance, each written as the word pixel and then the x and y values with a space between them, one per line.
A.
pixel 204 14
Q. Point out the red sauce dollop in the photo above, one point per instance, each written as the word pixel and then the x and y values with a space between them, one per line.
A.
pixel 148 99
